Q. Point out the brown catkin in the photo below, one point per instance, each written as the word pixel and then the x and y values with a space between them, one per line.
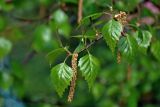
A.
pixel 118 57
pixel 129 72
pixel 73 82
pixel 121 17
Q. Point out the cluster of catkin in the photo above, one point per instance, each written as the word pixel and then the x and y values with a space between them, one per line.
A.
pixel 121 17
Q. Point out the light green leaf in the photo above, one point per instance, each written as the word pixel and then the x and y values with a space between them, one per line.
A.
pixel 89 66
pixel 51 56
pixel 111 32
pixel 5 47
pixel 127 46
pixel 42 38
pixel 143 39
pixel 59 16
pixel 60 21
pixel 155 49
pixel 61 75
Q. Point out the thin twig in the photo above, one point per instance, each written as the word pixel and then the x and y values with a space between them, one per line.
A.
pixel 139 11
pixel 129 72
pixel 29 56
pixel 80 8
pixel 23 19
pixel 61 44
pixel 66 58
pixel 68 52
pixel 92 43
pixel 59 39
pixel 43 100
pixel 9 1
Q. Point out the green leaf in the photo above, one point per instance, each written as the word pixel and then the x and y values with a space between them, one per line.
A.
pixel 42 38
pixel 80 46
pixel 127 46
pixel 155 49
pixel 111 32
pixel 45 2
pixel 98 90
pixel 60 21
pixel 133 98
pixel 6 80
pixel 70 1
pixel 2 23
pixel 51 56
pixel 5 47
pixel 59 16
pixel 87 20
pixel 61 76
pixel 84 36
pixel 143 39
pixel 64 29
pixel 89 66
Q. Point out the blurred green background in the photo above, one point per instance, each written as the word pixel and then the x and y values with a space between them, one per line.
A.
pixel 28 30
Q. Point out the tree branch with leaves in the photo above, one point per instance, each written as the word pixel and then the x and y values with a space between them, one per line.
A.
pixel 114 32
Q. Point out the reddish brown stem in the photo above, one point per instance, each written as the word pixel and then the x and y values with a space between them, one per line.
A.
pixel 129 72
pixel 80 8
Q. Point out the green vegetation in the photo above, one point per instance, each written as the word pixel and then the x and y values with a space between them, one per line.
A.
pixel 96 53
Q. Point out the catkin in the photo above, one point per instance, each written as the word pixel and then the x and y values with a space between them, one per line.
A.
pixel 121 17
pixel 73 82
pixel 118 57
pixel 129 72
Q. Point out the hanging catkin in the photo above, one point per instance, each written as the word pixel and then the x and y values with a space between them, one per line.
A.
pixel 73 82
pixel 118 57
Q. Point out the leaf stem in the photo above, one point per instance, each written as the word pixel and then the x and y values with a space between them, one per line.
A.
pixel 66 58
pixel 133 26
pixel 58 38
pixel 80 8
pixel 92 43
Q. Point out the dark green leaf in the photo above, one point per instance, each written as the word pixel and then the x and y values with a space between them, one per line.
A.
pixel 89 66
pixel 84 36
pixel 98 90
pixel 111 32
pixel 70 1
pixel 79 47
pixel 133 98
pixel 155 49
pixel 61 76
pixel 2 23
pixel 127 46
pixel 87 20
pixel 51 56
pixel 112 90
pixel 45 2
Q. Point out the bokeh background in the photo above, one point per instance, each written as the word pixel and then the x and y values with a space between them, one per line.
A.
pixel 28 30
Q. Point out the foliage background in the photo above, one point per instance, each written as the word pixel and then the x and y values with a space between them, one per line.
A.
pixel 28 30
